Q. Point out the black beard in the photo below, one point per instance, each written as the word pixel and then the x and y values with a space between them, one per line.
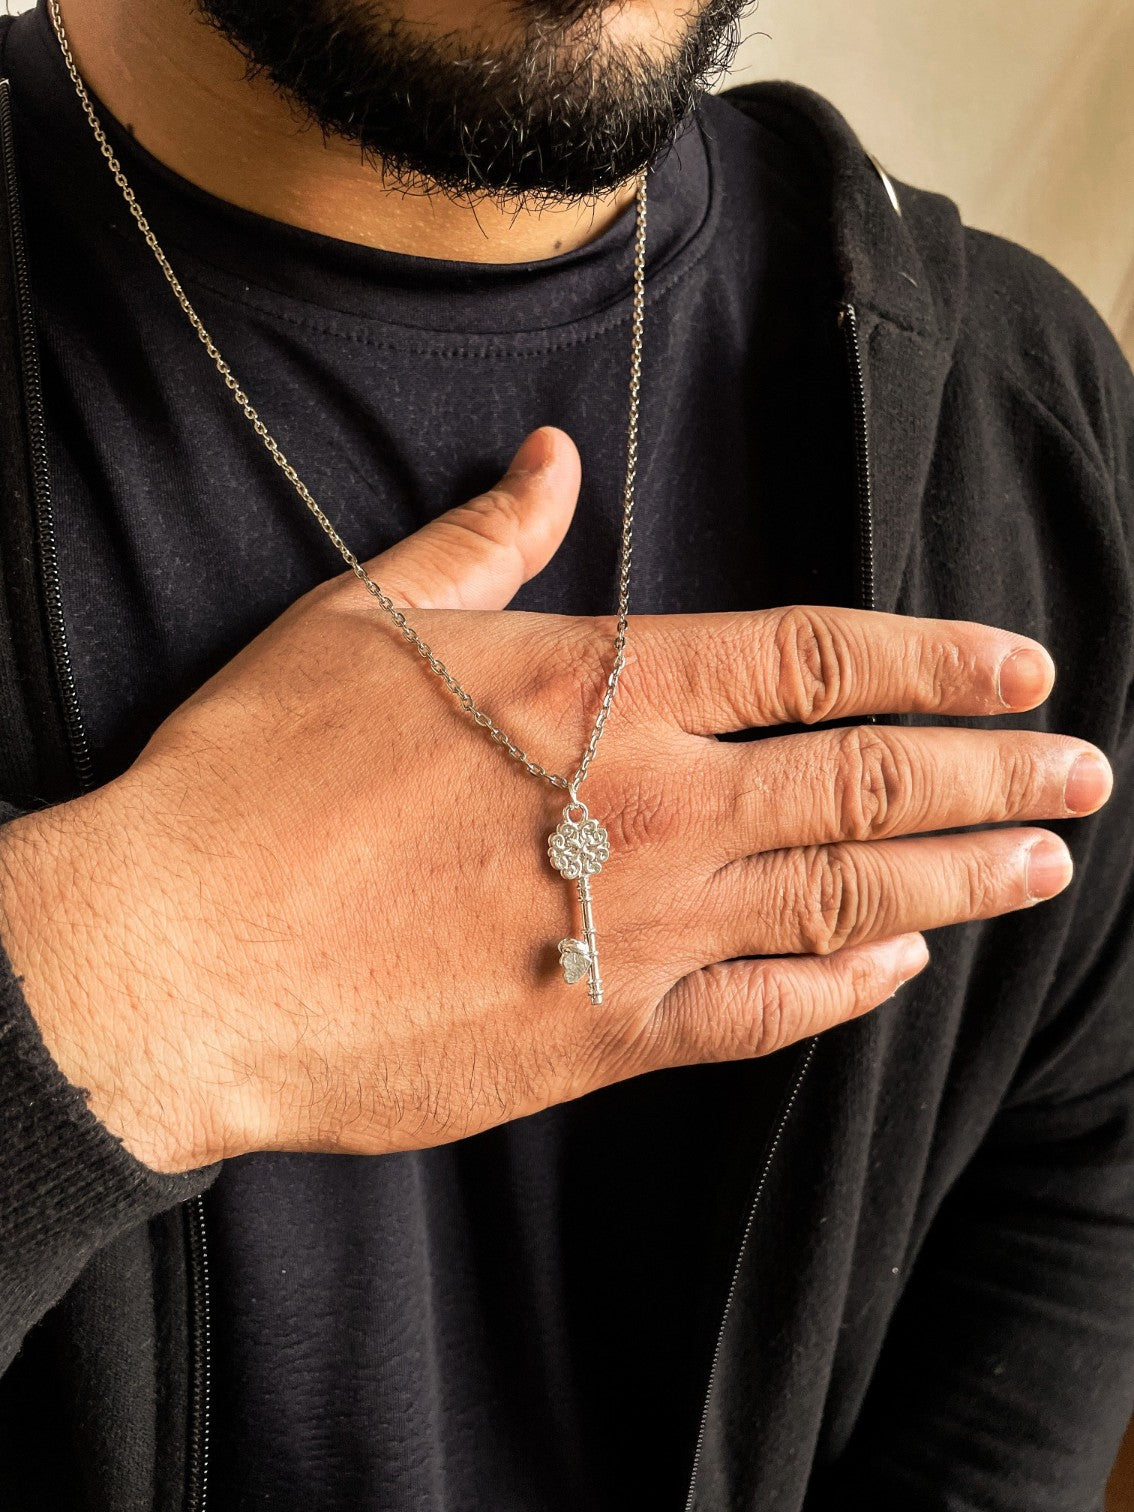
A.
pixel 561 114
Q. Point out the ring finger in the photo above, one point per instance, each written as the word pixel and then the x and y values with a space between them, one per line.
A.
pixel 815 899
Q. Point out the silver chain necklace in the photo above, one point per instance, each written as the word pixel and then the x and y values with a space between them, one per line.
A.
pixel 579 845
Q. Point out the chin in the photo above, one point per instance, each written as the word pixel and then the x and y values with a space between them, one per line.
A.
pixel 564 99
pixel 657 26
pixel 652 27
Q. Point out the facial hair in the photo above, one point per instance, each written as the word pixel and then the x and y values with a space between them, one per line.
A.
pixel 560 113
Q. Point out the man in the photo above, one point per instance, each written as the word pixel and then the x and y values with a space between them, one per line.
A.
pixel 321 1186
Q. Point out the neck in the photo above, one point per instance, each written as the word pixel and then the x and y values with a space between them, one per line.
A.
pixel 182 92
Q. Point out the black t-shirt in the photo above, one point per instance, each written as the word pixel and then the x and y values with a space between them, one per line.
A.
pixel 522 1320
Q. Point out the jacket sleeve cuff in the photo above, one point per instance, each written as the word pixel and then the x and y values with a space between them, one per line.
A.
pixel 68 1186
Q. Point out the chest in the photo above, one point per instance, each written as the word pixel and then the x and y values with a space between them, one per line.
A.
pixel 179 538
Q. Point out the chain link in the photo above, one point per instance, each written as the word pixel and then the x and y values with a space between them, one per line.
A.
pixel 435 664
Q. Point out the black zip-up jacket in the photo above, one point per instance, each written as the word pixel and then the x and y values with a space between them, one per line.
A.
pixel 933 1307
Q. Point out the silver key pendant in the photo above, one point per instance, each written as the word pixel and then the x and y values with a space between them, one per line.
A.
pixel 577 848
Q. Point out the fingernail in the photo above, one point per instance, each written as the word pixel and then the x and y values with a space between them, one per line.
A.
pixel 1049 867
pixel 1088 783
pixel 1024 676
pixel 534 453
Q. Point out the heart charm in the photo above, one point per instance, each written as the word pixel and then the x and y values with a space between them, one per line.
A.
pixel 575 958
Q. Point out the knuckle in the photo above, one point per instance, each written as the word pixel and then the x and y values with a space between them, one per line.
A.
pixel 944 669
pixel 769 1011
pixel 1019 780
pixel 752 1011
pixel 492 518
pixel 643 815
pixel 568 671
pixel 812 669
pixel 628 1044
pixel 723 1020
pixel 662 668
pixel 864 982
pixel 983 884
pixel 871 774
pixel 836 893
pixel 954 670
pixel 698 1020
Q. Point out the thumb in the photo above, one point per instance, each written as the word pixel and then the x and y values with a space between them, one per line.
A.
pixel 478 555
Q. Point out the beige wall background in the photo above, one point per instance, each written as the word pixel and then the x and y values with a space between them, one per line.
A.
pixel 1022 111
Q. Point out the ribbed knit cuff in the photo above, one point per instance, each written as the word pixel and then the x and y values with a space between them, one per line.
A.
pixel 68 1186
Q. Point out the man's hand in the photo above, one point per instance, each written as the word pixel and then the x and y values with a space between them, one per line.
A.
pixel 317 912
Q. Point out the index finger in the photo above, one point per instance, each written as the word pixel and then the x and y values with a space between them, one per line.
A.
pixel 807 663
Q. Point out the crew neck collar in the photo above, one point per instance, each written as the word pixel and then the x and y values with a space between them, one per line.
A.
pixel 233 246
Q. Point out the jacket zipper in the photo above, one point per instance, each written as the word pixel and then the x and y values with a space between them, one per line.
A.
pixel 197 1470
pixel 37 444
pixel 848 325
pixel 48 562
pixel 749 1224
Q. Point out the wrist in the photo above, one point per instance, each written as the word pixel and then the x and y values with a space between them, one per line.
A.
pixel 83 933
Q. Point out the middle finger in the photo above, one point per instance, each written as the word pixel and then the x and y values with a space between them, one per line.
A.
pixel 870 782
